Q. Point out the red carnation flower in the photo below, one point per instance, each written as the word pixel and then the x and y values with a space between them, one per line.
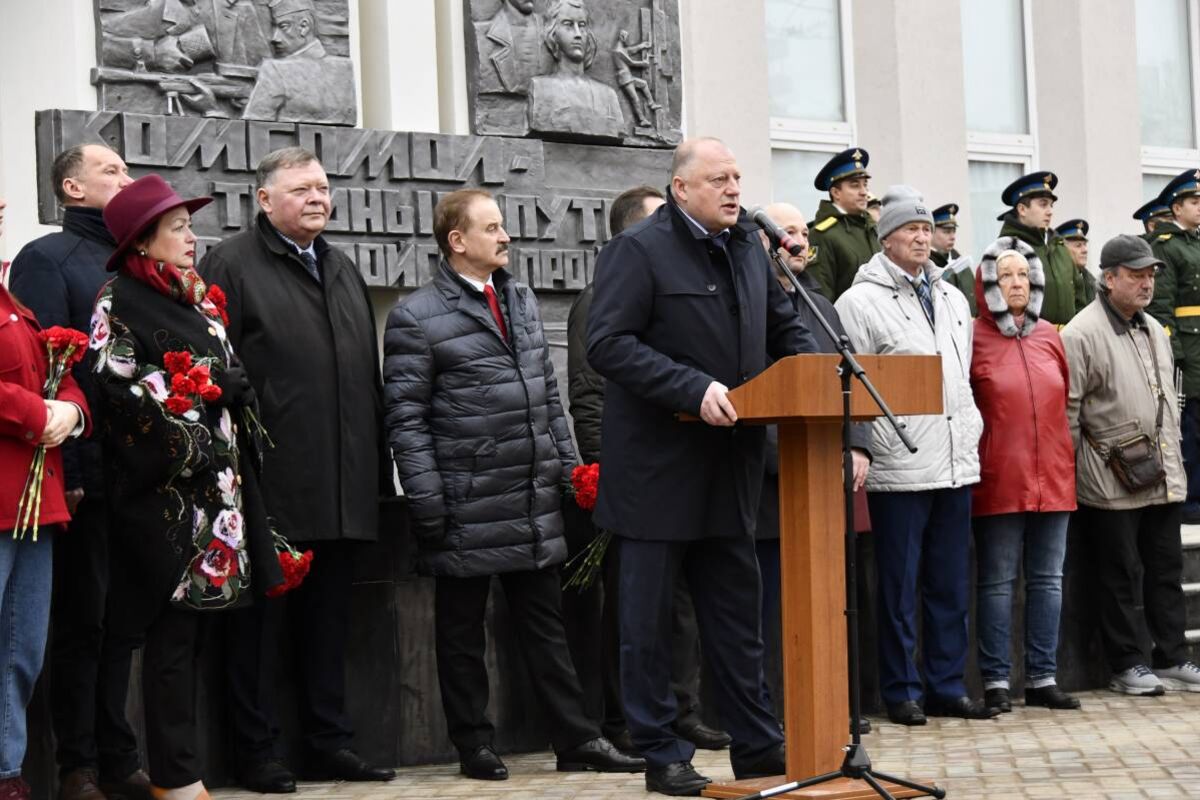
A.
pixel 182 384
pixel 216 296
pixel 585 478
pixel 65 341
pixel 210 392
pixel 295 567
pixel 177 361
pixel 178 405
pixel 200 374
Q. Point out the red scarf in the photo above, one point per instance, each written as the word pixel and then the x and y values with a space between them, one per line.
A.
pixel 181 284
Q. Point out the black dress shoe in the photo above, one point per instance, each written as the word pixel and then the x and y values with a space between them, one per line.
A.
pixel 347 765
pixel 907 713
pixel 483 765
pixel 864 726
pixel 623 741
pixel 268 777
pixel 998 698
pixel 963 707
pixel 773 762
pixel 598 755
pixel 1050 697
pixel 701 735
pixel 134 786
pixel 678 779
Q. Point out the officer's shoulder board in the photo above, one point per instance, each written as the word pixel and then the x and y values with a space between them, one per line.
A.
pixel 1163 237
pixel 826 224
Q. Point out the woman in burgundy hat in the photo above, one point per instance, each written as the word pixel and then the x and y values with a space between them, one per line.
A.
pixel 178 422
pixel 27 420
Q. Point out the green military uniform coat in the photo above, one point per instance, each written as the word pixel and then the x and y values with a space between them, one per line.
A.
pixel 1177 296
pixel 841 243
pixel 961 279
pixel 1064 283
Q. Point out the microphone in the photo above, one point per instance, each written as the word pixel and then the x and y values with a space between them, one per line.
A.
pixel 776 234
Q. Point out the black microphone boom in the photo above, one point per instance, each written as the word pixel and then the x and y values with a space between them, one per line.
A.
pixel 778 236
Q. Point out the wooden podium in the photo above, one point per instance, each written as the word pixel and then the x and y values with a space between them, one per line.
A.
pixel 802 394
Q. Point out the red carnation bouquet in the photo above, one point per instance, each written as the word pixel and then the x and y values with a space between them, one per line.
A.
pixel 190 382
pixel 295 566
pixel 585 565
pixel 64 349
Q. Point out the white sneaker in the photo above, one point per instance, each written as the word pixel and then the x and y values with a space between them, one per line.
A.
pixel 1137 680
pixel 1183 678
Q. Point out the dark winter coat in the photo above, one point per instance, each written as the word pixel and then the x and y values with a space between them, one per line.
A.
pixel 188 525
pixel 1064 283
pixel 23 371
pixel 673 312
pixel 585 386
pixel 311 353
pixel 477 428
pixel 58 276
pixel 767 526
pixel 1020 380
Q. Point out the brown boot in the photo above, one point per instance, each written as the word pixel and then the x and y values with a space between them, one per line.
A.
pixel 81 784
pixel 135 786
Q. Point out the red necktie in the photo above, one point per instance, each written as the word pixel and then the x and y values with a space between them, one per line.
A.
pixel 494 305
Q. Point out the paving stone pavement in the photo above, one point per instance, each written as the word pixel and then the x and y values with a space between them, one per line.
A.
pixel 1116 748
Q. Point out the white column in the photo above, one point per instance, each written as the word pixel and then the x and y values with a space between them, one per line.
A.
pixel 1089 128
pixel 908 68
pixel 725 84
pixel 399 65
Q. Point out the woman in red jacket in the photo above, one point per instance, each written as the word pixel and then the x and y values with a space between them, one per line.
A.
pixel 26 420
pixel 1027 473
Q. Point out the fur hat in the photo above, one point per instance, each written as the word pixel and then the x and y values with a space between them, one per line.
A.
pixel 990 281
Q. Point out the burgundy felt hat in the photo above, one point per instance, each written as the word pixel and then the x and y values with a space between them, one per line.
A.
pixel 135 208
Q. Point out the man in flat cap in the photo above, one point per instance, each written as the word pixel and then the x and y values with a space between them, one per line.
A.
pixel 842 235
pixel 1177 306
pixel 1074 233
pixel 1153 213
pixel 1120 397
pixel 1031 201
pixel 959 271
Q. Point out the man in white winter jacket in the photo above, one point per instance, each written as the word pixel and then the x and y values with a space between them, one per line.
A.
pixel 920 502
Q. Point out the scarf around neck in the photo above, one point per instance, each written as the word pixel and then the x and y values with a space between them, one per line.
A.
pixel 181 284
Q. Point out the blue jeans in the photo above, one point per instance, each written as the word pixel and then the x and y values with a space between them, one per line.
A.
pixel 25 575
pixel 1002 542
pixel 922 542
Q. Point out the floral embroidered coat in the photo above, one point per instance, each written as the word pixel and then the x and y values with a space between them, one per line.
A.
pixel 187 518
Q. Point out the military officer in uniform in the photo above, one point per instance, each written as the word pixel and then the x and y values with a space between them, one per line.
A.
pixel 1075 234
pixel 842 235
pixel 1151 215
pixel 1031 208
pixel 1176 305
pixel 959 271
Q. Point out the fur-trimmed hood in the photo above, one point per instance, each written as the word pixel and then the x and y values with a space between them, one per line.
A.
pixel 988 297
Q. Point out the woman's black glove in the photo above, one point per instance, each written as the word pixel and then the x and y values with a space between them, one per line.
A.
pixel 236 390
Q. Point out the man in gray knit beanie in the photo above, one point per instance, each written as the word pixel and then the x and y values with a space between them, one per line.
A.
pixel 902 204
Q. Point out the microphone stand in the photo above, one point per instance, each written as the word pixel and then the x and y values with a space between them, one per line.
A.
pixel 857 763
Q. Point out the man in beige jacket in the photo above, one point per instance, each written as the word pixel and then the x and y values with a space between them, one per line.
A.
pixel 1121 387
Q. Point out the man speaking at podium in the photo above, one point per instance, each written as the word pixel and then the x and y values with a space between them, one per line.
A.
pixel 685 307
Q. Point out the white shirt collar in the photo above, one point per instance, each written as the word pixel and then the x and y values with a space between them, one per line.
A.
pixel 703 230
pixel 478 285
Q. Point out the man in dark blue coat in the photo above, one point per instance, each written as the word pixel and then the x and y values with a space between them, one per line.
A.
pixel 58 276
pixel 685 307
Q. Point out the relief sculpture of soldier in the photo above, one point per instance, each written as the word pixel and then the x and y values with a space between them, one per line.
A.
pixel 172 35
pixel 624 63
pixel 510 52
pixel 567 101
pixel 303 83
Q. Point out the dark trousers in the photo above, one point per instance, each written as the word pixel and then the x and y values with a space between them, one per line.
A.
pixel 1121 545
pixel 1189 431
pixel 535 605
pixel 685 649
pixel 89 669
pixel 723 576
pixel 318 612
pixel 169 694
pixel 922 541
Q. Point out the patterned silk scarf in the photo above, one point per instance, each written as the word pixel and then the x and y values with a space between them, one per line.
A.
pixel 181 284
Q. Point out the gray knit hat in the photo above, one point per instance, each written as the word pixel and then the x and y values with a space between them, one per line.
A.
pixel 901 205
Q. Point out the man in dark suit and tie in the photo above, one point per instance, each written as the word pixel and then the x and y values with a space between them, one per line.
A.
pixel 686 306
